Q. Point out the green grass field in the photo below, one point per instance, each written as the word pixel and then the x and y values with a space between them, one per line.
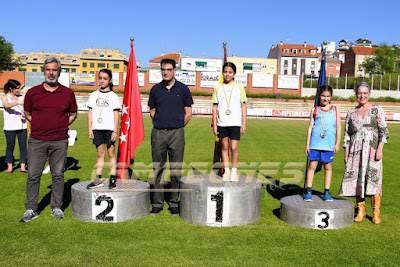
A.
pixel 164 240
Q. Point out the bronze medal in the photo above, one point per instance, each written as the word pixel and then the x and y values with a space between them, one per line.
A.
pixel 322 134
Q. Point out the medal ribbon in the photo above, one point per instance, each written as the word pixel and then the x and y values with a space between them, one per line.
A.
pixel 105 99
pixel 230 97
pixel 326 118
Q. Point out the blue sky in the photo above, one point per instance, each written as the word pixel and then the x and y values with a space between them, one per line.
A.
pixel 197 28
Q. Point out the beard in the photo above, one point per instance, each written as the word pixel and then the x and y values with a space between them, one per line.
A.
pixel 51 82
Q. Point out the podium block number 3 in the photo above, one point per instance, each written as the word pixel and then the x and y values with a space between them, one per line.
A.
pixel 323 220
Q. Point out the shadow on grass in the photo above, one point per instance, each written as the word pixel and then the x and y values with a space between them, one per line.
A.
pixel 279 190
pixel 72 164
pixel 66 197
pixel 3 164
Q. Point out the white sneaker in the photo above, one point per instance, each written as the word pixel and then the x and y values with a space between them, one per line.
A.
pixel 57 213
pixel 46 170
pixel 226 177
pixel 234 177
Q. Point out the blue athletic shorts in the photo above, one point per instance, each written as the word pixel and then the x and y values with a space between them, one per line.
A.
pixel 233 132
pixel 320 155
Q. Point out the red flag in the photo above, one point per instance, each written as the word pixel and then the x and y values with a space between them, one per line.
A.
pixel 131 129
pixel 218 143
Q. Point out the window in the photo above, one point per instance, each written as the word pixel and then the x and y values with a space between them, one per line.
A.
pixel 34 59
pixel 22 69
pixel 285 72
pixel 313 64
pixel 84 64
pixel 65 70
pixel 285 64
pixel 312 52
pixel 116 66
pixel 101 65
pixel 74 60
pixel 294 51
pixel 85 53
pixel 294 65
pixel 34 70
pixel 84 71
pixel 101 54
pixel 92 72
pixel 272 66
pixel 285 50
pixel 73 70
pixel 61 58
pixel 94 53
pixel 92 65
pixel 303 51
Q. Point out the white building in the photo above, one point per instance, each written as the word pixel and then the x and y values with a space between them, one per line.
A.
pixel 296 59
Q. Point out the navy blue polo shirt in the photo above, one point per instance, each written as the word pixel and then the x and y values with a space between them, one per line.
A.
pixel 170 104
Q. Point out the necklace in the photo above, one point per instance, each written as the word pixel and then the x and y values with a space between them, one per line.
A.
pixel 228 111
pixel 323 123
pixel 100 119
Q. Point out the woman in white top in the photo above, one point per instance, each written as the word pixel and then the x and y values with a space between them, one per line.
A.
pixel 14 123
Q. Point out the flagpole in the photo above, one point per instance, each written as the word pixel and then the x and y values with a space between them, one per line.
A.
pixel 131 126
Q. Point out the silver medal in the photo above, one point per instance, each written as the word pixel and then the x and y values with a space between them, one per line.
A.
pixel 99 120
pixel 228 112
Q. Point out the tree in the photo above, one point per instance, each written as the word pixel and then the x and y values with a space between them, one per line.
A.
pixel 7 62
pixel 384 61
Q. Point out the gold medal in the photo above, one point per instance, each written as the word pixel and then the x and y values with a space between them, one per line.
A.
pixel 228 112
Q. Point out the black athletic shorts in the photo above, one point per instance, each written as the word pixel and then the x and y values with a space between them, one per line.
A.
pixel 102 137
pixel 233 132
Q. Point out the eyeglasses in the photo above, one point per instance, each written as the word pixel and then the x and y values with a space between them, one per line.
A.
pixel 166 70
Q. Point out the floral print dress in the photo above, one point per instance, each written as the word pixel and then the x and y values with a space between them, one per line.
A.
pixel 363 174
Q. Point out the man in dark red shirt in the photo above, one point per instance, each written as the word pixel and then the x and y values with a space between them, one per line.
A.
pixel 51 108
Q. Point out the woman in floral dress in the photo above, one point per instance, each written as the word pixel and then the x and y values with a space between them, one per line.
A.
pixel 365 134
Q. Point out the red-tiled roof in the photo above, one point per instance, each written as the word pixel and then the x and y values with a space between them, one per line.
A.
pixel 290 48
pixel 362 50
pixel 174 56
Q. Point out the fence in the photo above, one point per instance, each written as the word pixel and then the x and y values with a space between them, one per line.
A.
pixel 377 82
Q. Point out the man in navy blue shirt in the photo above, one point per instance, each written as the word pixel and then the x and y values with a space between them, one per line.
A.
pixel 170 103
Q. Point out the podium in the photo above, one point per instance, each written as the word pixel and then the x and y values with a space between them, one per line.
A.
pixel 207 200
pixel 128 201
pixel 317 214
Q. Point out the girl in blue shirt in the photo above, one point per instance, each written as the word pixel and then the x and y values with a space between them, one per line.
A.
pixel 323 139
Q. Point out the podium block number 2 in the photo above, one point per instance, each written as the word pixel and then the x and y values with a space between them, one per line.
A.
pixel 102 215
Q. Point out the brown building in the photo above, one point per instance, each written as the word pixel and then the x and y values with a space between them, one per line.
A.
pixel 155 62
pixel 354 57
pixel 333 65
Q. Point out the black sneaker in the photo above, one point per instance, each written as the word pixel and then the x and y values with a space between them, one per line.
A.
pixel 155 211
pixel 93 185
pixel 29 215
pixel 113 183
pixel 174 211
